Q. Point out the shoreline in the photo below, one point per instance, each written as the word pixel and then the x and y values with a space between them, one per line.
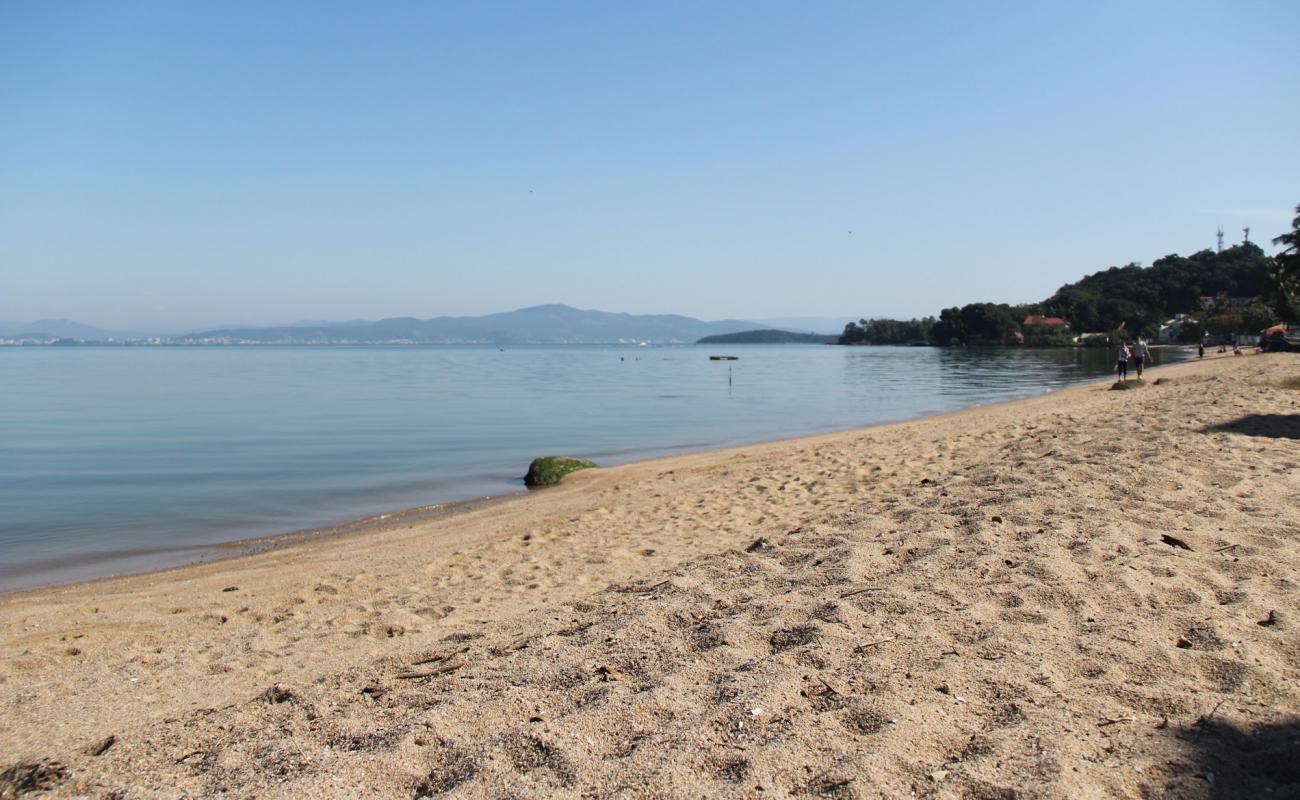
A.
pixel 976 602
pixel 218 552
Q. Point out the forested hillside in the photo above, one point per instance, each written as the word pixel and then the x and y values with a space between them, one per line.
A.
pixel 1141 298
pixel 1226 292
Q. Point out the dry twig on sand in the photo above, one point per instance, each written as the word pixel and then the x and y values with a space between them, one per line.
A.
pixel 876 643
pixel 433 659
pixel 1203 721
pixel 430 673
pixel 862 591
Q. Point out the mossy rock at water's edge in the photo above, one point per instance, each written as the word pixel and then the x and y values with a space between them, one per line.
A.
pixel 547 470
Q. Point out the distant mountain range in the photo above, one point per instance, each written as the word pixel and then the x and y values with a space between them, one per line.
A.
pixel 546 324
pixel 64 329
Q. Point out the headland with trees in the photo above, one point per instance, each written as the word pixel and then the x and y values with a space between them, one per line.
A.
pixel 1235 291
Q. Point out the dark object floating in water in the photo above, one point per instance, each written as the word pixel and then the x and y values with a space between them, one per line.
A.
pixel 724 358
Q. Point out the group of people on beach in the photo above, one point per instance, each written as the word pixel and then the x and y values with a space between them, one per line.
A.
pixel 1138 353
pixel 1223 348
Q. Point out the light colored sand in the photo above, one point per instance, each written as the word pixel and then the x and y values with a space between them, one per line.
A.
pixel 975 605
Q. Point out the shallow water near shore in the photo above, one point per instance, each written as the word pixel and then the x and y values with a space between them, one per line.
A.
pixel 123 459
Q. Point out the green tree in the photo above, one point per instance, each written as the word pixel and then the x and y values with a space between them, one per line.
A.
pixel 1285 275
pixel 1191 332
pixel 977 323
pixel 950 329
pixel 853 334
pixel 888 331
pixel 1250 320
pixel 1048 336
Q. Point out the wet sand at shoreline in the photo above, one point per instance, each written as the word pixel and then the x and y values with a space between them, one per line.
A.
pixel 965 606
pixel 155 559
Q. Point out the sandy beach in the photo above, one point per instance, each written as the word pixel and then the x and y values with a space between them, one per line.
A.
pixel 1091 593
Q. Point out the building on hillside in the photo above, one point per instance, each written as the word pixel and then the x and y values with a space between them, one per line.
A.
pixel 1172 330
pixel 1032 320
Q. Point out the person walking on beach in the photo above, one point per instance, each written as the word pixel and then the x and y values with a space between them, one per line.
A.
pixel 1121 365
pixel 1200 350
pixel 1140 353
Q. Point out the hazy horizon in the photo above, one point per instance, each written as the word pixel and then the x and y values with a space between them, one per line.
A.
pixel 813 323
pixel 746 162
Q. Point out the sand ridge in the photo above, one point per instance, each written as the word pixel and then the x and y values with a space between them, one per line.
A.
pixel 1090 593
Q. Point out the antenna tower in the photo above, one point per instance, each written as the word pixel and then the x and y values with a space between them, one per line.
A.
pixel 1219 236
pixel 1246 230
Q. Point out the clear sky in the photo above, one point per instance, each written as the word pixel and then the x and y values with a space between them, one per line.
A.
pixel 181 164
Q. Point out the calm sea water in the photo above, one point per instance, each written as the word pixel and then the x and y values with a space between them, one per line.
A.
pixel 120 459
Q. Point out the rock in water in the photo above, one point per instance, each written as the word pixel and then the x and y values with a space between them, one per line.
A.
pixel 547 470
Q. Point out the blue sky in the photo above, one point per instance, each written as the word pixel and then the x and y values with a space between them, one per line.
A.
pixel 174 165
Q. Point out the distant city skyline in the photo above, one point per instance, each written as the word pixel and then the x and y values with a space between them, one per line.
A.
pixel 173 167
